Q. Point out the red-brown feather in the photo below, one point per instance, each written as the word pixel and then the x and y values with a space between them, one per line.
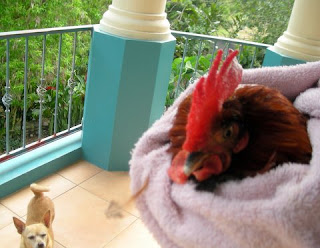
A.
pixel 277 130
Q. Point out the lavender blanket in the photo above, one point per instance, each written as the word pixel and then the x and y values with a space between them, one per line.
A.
pixel 278 209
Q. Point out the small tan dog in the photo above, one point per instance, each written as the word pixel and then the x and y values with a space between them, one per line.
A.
pixel 37 231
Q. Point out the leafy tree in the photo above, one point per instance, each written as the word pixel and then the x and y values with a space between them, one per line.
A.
pixel 267 20
pixel 195 16
pixel 31 14
pixel 264 21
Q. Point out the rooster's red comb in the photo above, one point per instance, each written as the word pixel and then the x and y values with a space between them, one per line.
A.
pixel 208 97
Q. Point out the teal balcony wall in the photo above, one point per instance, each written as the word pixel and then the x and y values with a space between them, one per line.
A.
pixel 273 58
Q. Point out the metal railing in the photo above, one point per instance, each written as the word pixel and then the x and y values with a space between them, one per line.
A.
pixel 54 83
pixel 47 79
pixel 195 53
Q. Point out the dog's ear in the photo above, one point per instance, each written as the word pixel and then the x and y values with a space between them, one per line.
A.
pixel 20 225
pixel 47 219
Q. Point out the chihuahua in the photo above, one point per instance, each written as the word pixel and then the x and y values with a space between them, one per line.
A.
pixel 37 231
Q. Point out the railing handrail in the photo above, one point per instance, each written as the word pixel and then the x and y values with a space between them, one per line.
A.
pixel 42 31
pixel 217 38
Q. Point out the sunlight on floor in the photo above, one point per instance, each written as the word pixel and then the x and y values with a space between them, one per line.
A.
pixel 81 194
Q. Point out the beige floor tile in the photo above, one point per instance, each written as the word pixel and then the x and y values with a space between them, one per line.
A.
pixel 79 171
pixel 5 216
pixel 19 201
pixel 9 237
pixel 135 236
pixel 57 245
pixel 112 186
pixel 81 222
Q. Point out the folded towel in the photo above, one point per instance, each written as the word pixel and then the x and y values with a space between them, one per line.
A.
pixel 280 208
pixel 308 102
pixel 290 80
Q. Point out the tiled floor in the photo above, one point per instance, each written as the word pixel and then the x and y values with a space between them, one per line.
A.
pixel 81 194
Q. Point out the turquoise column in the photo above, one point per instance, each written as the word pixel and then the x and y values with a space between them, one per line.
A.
pixel 126 91
pixel 274 58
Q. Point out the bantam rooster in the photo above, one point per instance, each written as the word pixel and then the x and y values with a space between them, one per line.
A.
pixel 221 131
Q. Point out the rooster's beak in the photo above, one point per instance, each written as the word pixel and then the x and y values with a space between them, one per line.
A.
pixel 193 162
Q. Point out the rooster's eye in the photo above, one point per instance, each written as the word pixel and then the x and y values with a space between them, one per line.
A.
pixel 228 132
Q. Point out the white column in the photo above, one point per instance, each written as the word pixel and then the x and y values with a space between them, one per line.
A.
pixel 302 38
pixel 138 19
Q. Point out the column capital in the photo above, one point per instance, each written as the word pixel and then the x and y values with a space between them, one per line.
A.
pixel 301 40
pixel 137 19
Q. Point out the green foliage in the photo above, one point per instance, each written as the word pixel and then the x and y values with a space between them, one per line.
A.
pixel 256 20
pixel 31 14
pixel 191 70
pixel 267 20
pixel 196 16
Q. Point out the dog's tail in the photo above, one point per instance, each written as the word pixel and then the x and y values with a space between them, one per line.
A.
pixel 38 189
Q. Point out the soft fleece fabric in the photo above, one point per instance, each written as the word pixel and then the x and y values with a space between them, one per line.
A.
pixel 278 209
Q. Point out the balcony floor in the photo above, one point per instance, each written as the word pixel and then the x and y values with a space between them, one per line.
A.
pixel 81 194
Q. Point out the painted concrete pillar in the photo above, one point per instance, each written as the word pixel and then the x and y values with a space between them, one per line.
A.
pixel 128 75
pixel 301 41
